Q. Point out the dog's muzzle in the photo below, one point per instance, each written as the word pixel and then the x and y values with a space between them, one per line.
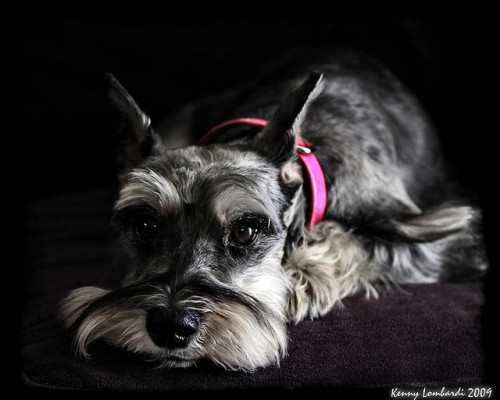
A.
pixel 172 328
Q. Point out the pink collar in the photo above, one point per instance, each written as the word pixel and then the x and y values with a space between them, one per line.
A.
pixel 306 156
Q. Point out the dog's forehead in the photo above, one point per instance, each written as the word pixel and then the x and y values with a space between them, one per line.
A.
pixel 223 180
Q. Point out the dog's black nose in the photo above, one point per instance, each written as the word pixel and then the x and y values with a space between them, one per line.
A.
pixel 171 328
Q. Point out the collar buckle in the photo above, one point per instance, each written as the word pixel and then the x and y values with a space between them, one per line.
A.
pixel 303 149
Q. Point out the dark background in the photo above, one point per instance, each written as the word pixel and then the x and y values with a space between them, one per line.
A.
pixel 68 123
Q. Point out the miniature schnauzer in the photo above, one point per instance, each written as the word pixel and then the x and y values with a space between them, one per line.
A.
pixel 311 187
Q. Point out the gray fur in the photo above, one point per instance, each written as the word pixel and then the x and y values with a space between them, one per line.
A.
pixel 180 211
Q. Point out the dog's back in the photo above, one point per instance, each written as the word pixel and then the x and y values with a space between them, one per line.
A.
pixel 378 145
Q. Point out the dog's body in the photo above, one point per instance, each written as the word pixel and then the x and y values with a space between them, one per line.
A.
pixel 220 252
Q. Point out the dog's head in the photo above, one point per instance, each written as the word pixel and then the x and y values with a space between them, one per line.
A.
pixel 205 229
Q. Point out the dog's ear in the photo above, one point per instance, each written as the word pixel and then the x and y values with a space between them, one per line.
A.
pixel 277 141
pixel 136 136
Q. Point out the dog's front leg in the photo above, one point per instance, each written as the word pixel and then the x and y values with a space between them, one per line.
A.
pixel 327 265
pixel 332 262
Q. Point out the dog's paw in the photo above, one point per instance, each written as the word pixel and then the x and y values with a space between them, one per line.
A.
pixel 325 267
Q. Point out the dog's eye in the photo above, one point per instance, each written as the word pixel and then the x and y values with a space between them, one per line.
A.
pixel 244 234
pixel 145 230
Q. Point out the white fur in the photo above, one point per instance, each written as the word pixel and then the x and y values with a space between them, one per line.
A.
pixel 327 266
pixel 142 184
pixel 235 339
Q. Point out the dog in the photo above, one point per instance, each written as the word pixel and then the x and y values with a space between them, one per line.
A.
pixel 321 179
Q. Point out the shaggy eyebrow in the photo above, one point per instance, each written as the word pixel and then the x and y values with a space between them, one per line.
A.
pixel 235 202
pixel 147 186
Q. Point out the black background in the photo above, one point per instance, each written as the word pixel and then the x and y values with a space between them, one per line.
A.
pixel 68 124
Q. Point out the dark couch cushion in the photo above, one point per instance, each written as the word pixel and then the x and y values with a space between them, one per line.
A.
pixel 414 335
